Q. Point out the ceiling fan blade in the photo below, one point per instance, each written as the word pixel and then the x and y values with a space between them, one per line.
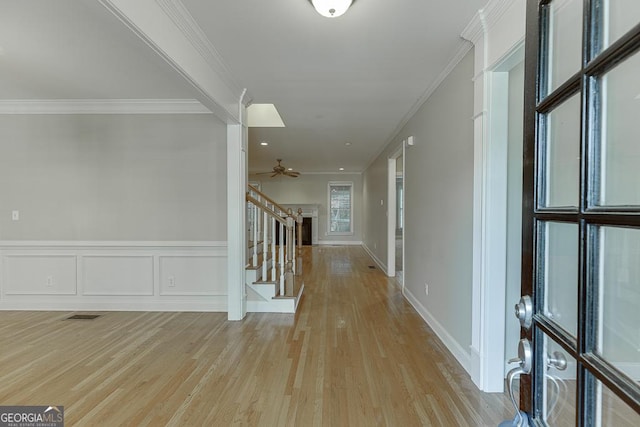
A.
pixel 275 174
pixel 292 174
pixel 262 173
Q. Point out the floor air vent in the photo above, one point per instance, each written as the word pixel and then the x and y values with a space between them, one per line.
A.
pixel 83 317
pixel 372 267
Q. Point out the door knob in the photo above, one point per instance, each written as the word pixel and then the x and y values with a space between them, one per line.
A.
pixel 524 311
pixel 557 360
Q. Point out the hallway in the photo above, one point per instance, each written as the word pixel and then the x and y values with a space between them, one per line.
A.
pixel 355 354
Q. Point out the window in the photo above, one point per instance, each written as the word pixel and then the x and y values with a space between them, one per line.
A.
pixel 340 208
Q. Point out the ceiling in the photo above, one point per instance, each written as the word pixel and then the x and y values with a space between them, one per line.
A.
pixel 354 79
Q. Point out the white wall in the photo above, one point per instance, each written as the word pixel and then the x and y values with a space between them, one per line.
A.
pixel 313 189
pixel 438 208
pixel 375 201
pixel 116 212
pixel 113 177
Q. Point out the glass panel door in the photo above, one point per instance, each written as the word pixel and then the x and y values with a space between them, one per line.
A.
pixel 581 212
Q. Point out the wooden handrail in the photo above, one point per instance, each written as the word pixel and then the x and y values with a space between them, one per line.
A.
pixel 270 211
pixel 270 200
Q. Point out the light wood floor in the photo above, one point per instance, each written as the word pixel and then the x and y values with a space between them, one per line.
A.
pixel 356 354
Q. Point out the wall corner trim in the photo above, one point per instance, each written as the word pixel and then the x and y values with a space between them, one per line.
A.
pixel 485 19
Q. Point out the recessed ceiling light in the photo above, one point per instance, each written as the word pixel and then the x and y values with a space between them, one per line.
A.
pixel 347 144
pixel 264 143
pixel 341 169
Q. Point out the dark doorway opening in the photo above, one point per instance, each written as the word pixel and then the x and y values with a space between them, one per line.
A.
pixel 307 227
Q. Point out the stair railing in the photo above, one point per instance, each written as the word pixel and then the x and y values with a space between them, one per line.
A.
pixel 265 218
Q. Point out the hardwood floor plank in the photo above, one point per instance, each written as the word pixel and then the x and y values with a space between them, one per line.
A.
pixel 355 354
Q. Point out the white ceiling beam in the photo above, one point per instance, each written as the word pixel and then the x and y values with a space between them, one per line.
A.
pixel 168 28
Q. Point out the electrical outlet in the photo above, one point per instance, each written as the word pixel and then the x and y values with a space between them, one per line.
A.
pixel 172 282
pixel 426 288
pixel 49 281
pixel 15 215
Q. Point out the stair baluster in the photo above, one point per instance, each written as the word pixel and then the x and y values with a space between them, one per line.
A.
pixel 265 244
pixel 272 236
pixel 281 258
pixel 266 217
pixel 254 225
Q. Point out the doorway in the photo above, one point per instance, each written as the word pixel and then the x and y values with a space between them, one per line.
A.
pixel 515 103
pixel 395 216
pixel 399 243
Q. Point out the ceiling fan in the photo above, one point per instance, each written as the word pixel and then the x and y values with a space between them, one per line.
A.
pixel 281 170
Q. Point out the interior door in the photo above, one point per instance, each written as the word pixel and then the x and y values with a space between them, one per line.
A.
pixel 581 214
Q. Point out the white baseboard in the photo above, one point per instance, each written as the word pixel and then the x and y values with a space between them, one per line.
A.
pixel 475 367
pixel 382 266
pixel 113 275
pixel 339 242
pixel 202 304
pixel 449 342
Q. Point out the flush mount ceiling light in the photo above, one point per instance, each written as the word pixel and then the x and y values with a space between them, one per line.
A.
pixel 331 8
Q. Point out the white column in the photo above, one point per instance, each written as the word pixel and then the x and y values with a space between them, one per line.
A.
pixel 237 137
pixel 494 32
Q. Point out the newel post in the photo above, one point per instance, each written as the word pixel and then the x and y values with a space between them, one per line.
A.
pixel 299 221
pixel 290 244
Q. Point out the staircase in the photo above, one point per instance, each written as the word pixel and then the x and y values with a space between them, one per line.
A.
pixel 274 261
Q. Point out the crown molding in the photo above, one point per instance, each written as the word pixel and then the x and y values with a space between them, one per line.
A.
pixel 475 29
pixel 463 48
pixel 485 19
pixel 494 10
pixel 151 22
pixel 178 13
pixel 102 106
pixel 305 173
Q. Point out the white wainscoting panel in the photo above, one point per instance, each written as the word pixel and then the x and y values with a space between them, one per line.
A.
pixel 117 275
pixel 193 275
pixel 113 275
pixel 40 275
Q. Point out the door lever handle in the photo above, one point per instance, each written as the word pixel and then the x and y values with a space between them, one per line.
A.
pixel 525 356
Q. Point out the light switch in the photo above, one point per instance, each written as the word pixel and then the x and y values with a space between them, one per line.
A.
pixel 15 215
